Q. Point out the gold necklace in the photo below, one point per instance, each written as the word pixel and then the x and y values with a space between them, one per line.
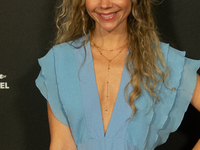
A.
pixel 109 49
pixel 109 61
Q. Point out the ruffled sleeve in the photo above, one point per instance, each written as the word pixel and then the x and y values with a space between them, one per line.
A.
pixel 169 112
pixel 47 84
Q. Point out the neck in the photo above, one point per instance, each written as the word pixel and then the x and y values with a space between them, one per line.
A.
pixel 110 40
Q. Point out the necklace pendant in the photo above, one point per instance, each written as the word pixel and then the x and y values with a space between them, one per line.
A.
pixel 106 111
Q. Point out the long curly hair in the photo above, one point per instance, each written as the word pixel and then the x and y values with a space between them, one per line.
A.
pixel 73 22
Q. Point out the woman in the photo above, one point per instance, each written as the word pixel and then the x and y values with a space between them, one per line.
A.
pixel 109 82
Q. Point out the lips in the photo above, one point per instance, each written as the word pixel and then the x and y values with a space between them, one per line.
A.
pixel 108 16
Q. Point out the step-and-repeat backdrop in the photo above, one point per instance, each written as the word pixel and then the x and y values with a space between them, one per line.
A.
pixel 26 31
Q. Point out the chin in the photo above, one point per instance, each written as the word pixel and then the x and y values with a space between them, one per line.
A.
pixel 109 28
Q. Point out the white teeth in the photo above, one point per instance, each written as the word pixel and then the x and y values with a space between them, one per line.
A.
pixel 107 16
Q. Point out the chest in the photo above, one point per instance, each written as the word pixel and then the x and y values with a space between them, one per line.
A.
pixel 108 74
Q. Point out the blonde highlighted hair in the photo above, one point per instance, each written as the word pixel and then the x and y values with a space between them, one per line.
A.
pixel 73 22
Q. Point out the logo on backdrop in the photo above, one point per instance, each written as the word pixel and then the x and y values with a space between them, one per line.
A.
pixel 3 85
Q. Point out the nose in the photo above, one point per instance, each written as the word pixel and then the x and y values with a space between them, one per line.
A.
pixel 104 4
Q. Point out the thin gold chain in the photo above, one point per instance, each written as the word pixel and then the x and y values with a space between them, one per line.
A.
pixel 109 60
pixel 108 76
pixel 109 49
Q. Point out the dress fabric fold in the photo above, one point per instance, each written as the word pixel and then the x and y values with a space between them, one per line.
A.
pixel 69 85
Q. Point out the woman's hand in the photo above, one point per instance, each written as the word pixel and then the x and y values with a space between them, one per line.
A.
pixel 196 95
pixel 61 137
pixel 197 146
pixel 196 103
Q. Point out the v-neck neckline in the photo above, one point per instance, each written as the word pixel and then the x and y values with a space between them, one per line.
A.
pixel 90 99
pixel 96 91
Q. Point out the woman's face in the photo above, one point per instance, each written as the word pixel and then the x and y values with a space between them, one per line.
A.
pixel 109 14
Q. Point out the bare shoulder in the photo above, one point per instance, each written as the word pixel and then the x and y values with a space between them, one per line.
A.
pixel 61 137
pixel 196 95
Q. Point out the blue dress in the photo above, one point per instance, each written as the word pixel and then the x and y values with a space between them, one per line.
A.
pixel 71 91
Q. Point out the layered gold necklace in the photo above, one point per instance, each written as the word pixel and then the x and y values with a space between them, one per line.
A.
pixel 109 62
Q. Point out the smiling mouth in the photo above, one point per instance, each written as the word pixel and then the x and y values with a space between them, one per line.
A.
pixel 107 16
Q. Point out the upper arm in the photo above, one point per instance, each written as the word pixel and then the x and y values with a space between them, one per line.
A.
pixel 196 95
pixel 61 137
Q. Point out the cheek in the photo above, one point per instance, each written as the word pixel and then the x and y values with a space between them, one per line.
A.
pixel 90 5
pixel 122 3
pixel 128 7
pixel 88 8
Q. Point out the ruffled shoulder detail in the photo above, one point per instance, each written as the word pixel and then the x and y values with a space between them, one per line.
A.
pixel 58 81
pixel 151 127
pixel 169 112
pixel 48 86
